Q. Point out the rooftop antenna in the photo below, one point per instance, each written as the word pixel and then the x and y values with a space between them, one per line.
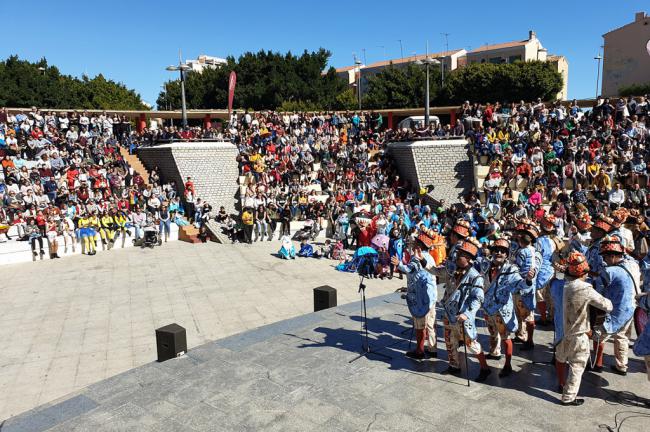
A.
pixel 446 35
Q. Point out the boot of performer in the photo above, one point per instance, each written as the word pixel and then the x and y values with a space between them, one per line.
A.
pixel 529 344
pixel 419 349
pixel 541 309
pixel 507 368
pixel 560 371
pixel 485 370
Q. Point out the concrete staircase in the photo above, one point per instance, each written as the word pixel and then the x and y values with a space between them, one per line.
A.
pixel 135 163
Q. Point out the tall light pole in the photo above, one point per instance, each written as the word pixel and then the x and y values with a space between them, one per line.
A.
pixel 427 61
pixel 442 63
pixel 598 58
pixel 401 49
pixel 182 68
pixel 357 64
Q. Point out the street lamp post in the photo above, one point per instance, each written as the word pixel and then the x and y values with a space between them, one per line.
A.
pixel 598 58
pixel 182 68
pixel 357 63
pixel 427 62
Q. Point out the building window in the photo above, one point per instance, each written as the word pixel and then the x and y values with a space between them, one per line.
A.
pixel 496 60
pixel 514 58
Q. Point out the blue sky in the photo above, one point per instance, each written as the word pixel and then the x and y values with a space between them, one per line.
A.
pixel 133 41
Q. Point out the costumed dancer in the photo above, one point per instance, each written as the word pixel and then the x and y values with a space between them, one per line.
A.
pixel 120 226
pixel 573 349
pixel 421 295
pixel 642 344
pixel 87 234
pixel 619 217
pixel 581 238
pixel 528 261
pixel 548 246
pixel 459 232
pixel 556 290
pixel 463 299
pixel 619 288
pixel 107 231
pixel 599 229
pixel 503 279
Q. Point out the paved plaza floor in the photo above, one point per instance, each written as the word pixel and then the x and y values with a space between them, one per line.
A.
pixel 296 375
pixel 72 322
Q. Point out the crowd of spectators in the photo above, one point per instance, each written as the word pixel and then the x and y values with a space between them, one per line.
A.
pixel 60 169
pixel 64 180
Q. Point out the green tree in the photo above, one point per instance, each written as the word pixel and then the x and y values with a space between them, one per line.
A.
pixel 489 82
pixel 24 84
pixel 634 90
pixel 400 87
pixel 264 80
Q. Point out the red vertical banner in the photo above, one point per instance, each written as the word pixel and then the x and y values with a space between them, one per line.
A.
pixel 231 90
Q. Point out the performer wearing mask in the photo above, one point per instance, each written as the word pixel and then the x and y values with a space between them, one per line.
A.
pixel 642 344
pixel 421 295
pixel 619 287
pixel 459 232
pixel 503 279
pixel 548 246
pixel 619 217
pixel 573 349
pixel 600 229
pixel 463 299
pixel 581 238
pixel 528 261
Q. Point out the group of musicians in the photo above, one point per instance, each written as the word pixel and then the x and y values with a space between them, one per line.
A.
pixel 588 288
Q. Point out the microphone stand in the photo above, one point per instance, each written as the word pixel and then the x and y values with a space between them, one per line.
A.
pixel 365 344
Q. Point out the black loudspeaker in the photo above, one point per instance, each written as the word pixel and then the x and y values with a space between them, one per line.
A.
pixel 171 341
pixel 324 297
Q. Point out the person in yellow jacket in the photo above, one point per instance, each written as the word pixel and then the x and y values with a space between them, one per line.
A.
pixel 120 220
pixel 87 234
pixel 106 230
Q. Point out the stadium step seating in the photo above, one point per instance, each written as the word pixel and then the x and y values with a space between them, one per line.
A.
pixel 135 163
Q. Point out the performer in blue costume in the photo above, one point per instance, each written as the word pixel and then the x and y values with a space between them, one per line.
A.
pixel 642 344
pixel 421 295
pixel 581 238
pixel 528 261
pixel 600 229
pixel 503 279
pixel 548 246
pixel 619 282
pixel 463 299
pixel 460 231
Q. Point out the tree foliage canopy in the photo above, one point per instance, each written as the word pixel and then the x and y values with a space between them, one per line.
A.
pixel 487 82
pixel 634 90
pixel 24 84
pixel 265 80
pixel 401 87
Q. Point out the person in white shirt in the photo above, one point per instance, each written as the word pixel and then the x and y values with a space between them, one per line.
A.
pixel 616 196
